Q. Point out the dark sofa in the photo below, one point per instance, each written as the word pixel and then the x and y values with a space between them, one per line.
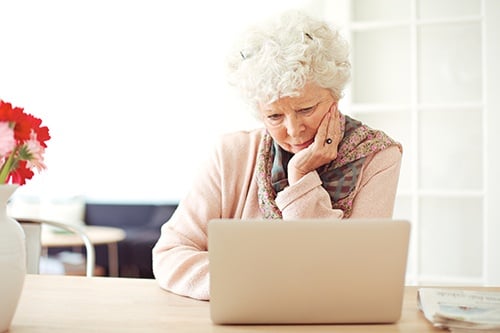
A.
pixel 141 223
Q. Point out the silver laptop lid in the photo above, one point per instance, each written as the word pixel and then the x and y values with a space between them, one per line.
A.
pixel 307 271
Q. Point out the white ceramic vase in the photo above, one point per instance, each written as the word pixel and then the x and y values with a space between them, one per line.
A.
pixel 12 260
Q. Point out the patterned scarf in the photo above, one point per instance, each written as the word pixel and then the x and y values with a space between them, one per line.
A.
pixel 339 177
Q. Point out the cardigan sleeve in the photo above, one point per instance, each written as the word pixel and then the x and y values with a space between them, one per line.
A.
pixel 180 257
pixel 377 188
pixel 306 198
pixel 221 189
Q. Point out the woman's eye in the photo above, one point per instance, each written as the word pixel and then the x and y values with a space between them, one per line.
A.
pixel 307 110
pixel 274 117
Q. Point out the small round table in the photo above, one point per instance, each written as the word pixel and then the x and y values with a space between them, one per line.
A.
pixel 97 234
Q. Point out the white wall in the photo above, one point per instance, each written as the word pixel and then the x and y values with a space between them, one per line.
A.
pixel 133 91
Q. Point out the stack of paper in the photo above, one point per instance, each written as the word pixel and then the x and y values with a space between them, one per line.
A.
pixel 461 310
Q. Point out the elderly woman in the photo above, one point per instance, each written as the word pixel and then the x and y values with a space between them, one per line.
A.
pixel 308 161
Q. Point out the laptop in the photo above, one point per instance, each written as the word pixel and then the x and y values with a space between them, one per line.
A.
pixel 307 271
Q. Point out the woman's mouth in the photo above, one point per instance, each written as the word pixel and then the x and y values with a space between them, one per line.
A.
pixel 299 147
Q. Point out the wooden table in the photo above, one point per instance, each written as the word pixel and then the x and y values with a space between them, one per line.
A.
pixel 56 303
pixel 98 235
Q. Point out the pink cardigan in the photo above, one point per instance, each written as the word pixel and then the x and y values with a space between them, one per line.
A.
pixel 226 187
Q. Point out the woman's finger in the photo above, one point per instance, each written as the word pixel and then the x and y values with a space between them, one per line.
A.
pixel 333 123
pixel 322 134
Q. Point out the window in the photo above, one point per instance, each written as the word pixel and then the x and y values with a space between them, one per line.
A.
pixel 423 72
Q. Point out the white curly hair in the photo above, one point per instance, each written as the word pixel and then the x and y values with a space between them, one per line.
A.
pixel 276 59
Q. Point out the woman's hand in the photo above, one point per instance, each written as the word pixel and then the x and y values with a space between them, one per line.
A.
pixel 321 151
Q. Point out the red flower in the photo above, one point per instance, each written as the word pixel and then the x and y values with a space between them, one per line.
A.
pixel 20 174
pixel 30 139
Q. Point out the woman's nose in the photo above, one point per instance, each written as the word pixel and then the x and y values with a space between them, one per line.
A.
pixel 294 126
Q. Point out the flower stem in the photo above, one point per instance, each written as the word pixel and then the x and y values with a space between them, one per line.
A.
pixel 6 168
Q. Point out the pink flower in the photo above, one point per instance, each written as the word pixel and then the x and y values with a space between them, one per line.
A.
pixel 36 151
pixel 7 141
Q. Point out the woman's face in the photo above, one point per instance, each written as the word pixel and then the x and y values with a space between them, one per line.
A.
pixel 293 121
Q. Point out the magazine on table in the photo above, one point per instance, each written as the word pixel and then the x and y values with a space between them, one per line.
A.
pixel 460 310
